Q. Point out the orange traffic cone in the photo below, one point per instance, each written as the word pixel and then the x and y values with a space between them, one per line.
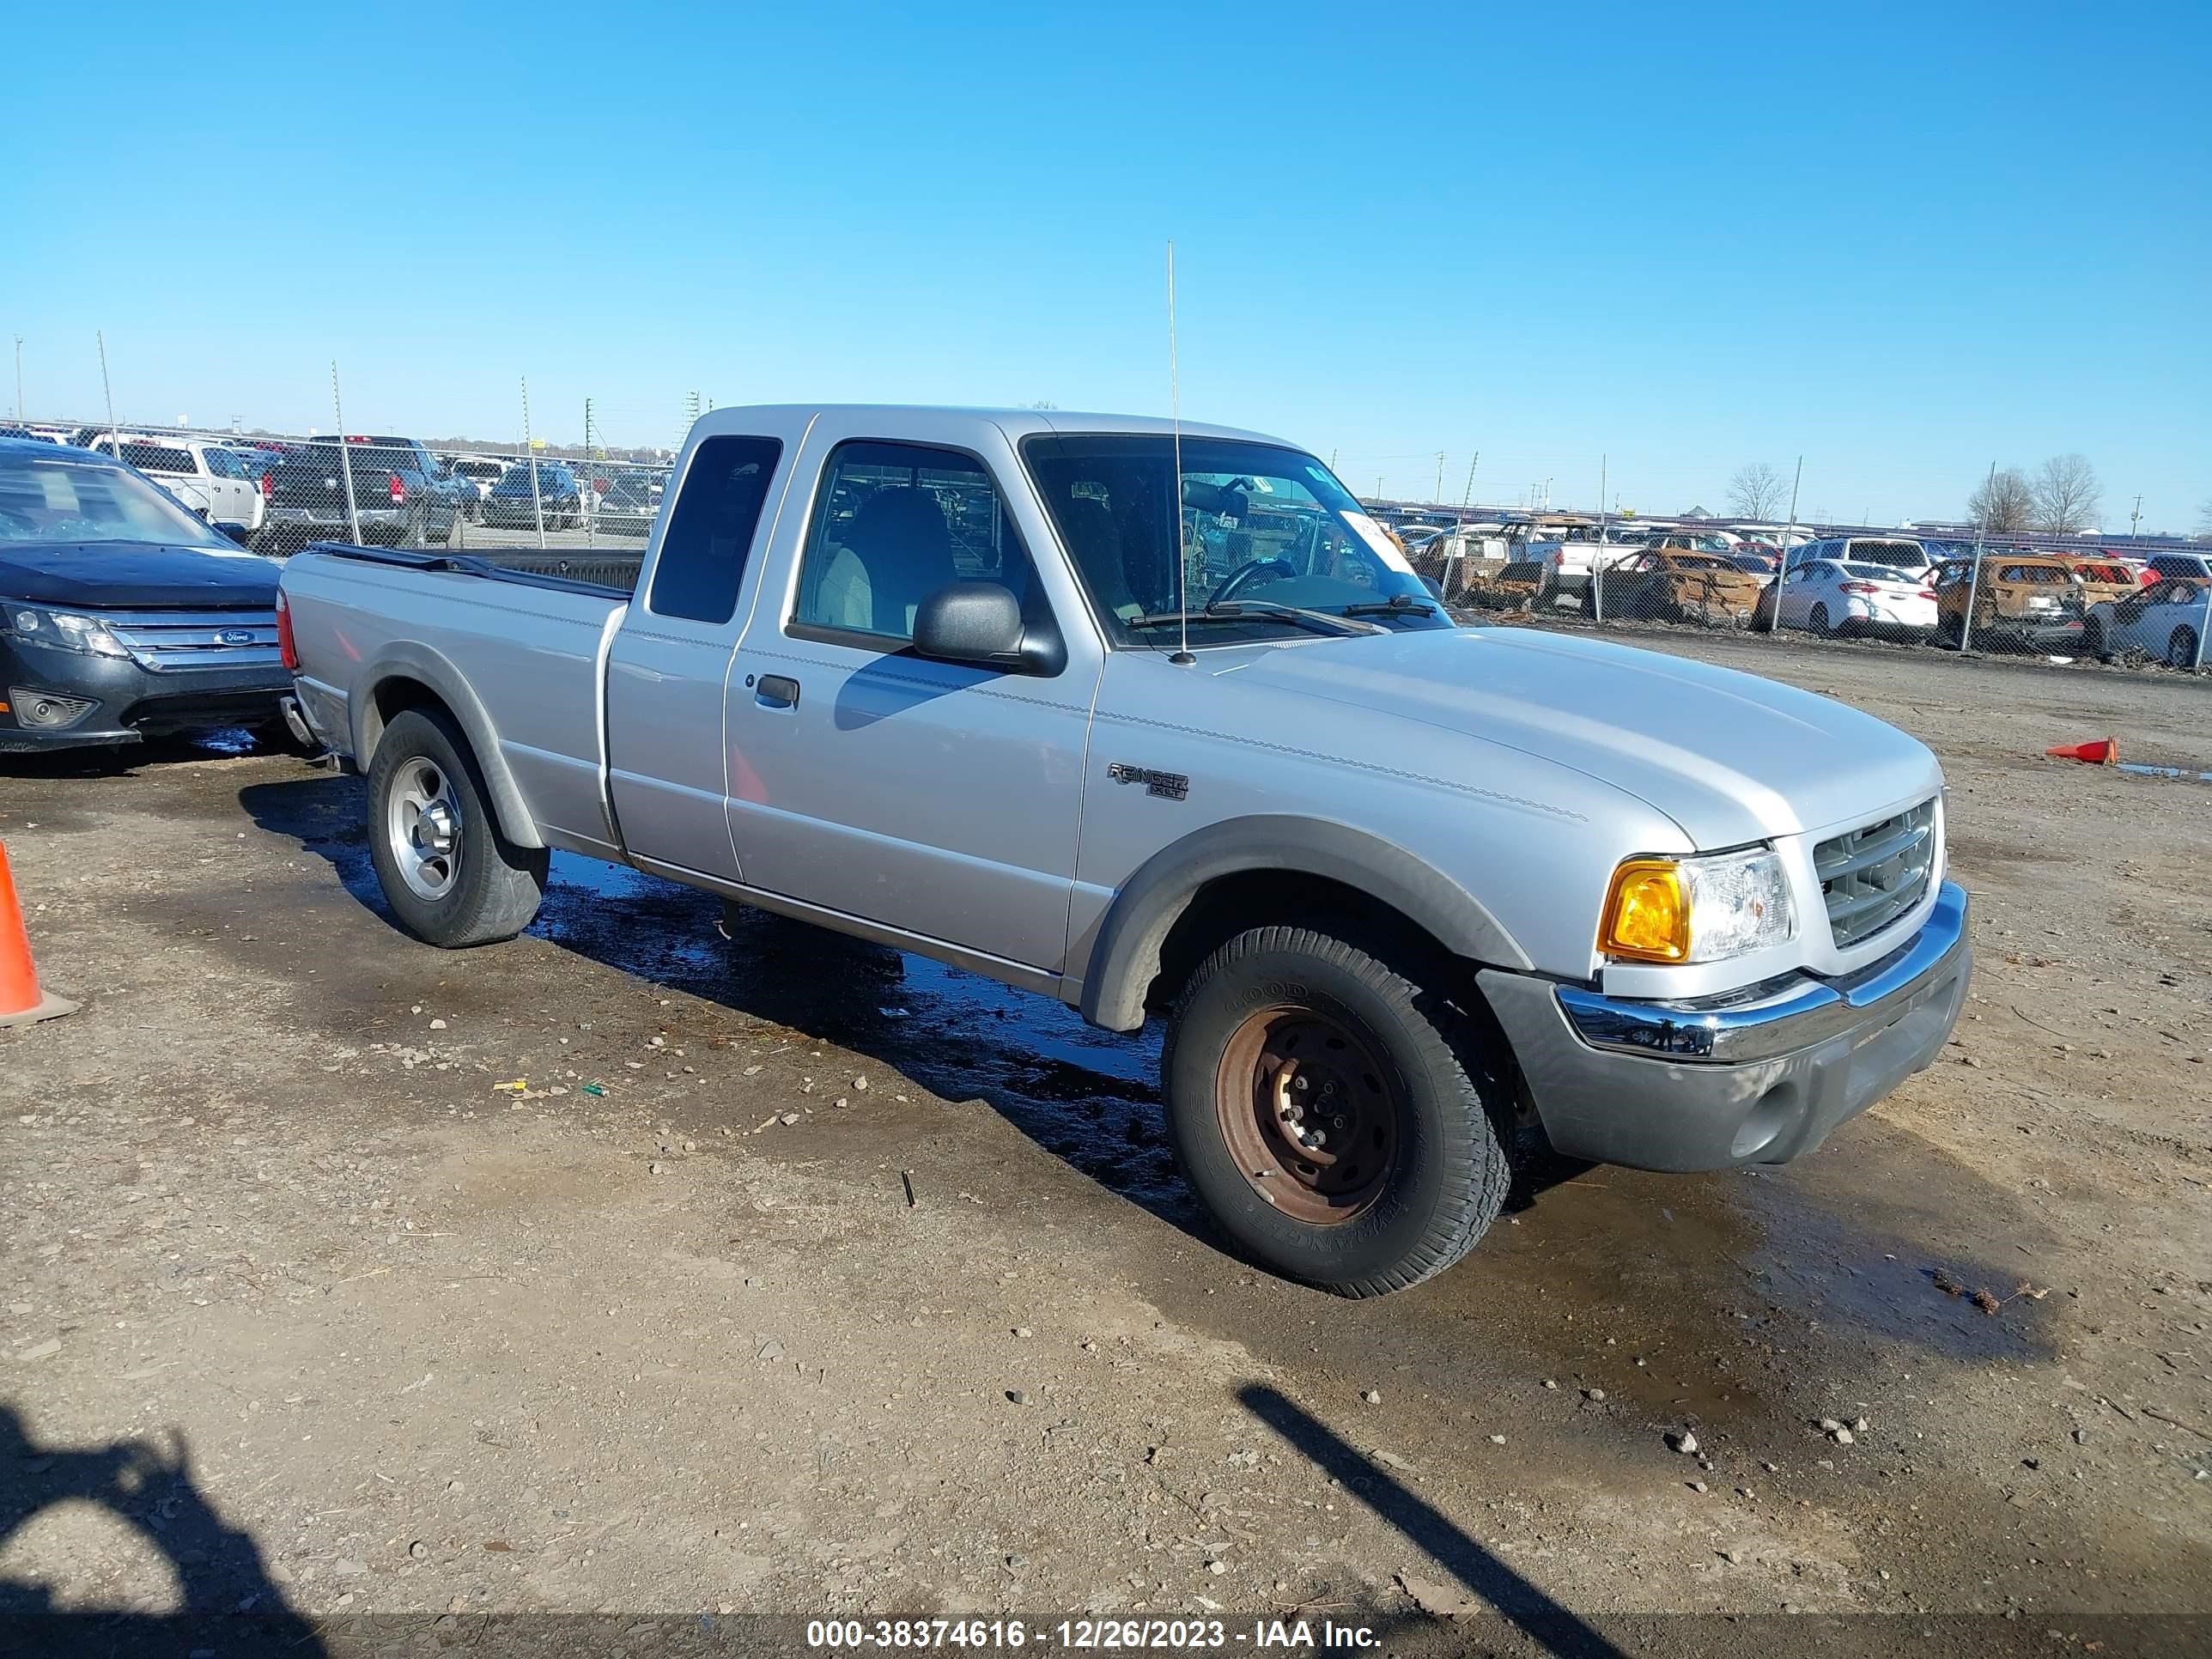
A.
pixel 2103 752
pixel 21 1002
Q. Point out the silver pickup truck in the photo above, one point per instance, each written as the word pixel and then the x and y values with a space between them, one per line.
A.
pixel 1156 720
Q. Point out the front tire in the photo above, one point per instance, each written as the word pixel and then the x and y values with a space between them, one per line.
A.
pixel 450 875
pixel 2181 648
pixel 1820 620
pixel 1342 1125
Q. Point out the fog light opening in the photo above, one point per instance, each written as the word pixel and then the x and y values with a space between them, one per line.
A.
pixel 1765 1122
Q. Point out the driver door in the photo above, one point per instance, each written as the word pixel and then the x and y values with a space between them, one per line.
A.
pixel 941 799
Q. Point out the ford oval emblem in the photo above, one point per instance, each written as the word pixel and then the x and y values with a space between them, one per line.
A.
pixel 234 636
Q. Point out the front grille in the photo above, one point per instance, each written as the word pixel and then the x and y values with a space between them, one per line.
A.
pixel 1872 876
pixel 168 641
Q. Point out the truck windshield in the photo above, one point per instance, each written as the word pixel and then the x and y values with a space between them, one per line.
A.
pixel 63 500
pixel 1262 528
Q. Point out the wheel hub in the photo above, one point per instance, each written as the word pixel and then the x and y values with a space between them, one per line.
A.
pixel 435 828
pixel 1309 1113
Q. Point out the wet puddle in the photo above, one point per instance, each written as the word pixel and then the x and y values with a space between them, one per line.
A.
pixel 1086 1095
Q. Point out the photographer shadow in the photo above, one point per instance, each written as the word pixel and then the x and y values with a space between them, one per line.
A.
pixel 227 1601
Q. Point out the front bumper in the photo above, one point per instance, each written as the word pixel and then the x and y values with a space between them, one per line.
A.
pixel 1716 1082
pixel 129 701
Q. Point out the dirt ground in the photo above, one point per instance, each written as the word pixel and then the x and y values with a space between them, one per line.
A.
pixel 801 1278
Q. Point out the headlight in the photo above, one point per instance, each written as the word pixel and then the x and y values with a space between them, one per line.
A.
pixel 1696 909
pixel 66 630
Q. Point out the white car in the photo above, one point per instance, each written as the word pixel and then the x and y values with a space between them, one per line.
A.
pixel 2165 620
pixel 208 477
pixel 1828 597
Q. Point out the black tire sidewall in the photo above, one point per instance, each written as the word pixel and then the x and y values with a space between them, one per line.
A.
pixel 448 921
pixel 1435 1136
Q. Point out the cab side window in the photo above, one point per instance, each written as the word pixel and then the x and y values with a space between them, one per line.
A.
pixel 893 524
pixel 710 530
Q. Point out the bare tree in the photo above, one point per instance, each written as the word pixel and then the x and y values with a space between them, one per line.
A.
pixel 2066 495
pixel 2204 517
pixel 1758 491
pixel 2005 504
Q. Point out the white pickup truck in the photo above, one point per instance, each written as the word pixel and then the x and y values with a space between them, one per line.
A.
pixel 207 477
pixel 1156 720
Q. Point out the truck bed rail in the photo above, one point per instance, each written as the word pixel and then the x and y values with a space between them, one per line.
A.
pixel 613 575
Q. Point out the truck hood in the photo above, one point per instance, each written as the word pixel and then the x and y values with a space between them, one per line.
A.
pixel 1728 756
pixel 136 575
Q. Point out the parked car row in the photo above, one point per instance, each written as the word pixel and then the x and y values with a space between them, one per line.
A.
pixel 1897 588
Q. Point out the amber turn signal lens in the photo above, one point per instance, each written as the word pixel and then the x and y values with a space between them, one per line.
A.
pixel 1646 914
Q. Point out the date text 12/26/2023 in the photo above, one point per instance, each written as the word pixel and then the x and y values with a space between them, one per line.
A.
pixel 1157 1635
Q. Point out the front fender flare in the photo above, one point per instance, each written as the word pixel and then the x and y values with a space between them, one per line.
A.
pixel 1125 956
pixel 408 660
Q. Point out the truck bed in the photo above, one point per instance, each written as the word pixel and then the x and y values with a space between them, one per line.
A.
pixel 515 652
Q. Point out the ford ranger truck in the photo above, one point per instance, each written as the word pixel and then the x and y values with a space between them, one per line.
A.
pixel 1159 722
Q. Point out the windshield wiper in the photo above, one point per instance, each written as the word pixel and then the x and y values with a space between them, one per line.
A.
pixel 1315 621
pixel 1398 604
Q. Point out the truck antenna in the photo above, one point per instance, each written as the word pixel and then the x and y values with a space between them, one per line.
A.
pixel 1182 658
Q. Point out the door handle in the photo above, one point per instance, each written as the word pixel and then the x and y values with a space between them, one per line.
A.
pixel 776 691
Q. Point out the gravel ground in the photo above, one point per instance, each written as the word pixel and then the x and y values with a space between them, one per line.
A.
pixel 646 1266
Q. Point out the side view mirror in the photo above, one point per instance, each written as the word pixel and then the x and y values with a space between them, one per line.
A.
pixel 978 622
pixel 1435 588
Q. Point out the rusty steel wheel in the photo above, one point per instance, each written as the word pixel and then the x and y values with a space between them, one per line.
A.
pixel 1342 1122
pixel 1307 1114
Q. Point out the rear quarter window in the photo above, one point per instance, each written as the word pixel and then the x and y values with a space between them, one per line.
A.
pixel 711 529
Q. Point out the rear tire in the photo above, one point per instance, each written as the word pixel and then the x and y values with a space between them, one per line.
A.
pixel 2181 648
pixel 1295 1019
pixel 451 876
pixel 2094 642
pixel 1819 620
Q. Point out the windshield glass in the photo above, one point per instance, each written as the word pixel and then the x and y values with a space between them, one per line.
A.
pixel 1260 525
pixel 58 501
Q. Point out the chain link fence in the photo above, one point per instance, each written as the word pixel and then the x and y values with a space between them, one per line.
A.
pixel 585 512
pixel 2049 600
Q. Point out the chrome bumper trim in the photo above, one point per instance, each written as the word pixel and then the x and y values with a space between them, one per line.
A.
pixel 1720 1031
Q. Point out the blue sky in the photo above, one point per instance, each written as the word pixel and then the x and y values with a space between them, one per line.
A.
pixel 1901 241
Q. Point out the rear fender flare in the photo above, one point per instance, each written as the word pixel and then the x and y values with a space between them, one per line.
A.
pixel 1126 958
pixel 408 660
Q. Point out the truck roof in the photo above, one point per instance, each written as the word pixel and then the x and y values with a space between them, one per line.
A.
pixel 948 423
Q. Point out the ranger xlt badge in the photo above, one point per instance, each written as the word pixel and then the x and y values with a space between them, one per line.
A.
pixel 1169 786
